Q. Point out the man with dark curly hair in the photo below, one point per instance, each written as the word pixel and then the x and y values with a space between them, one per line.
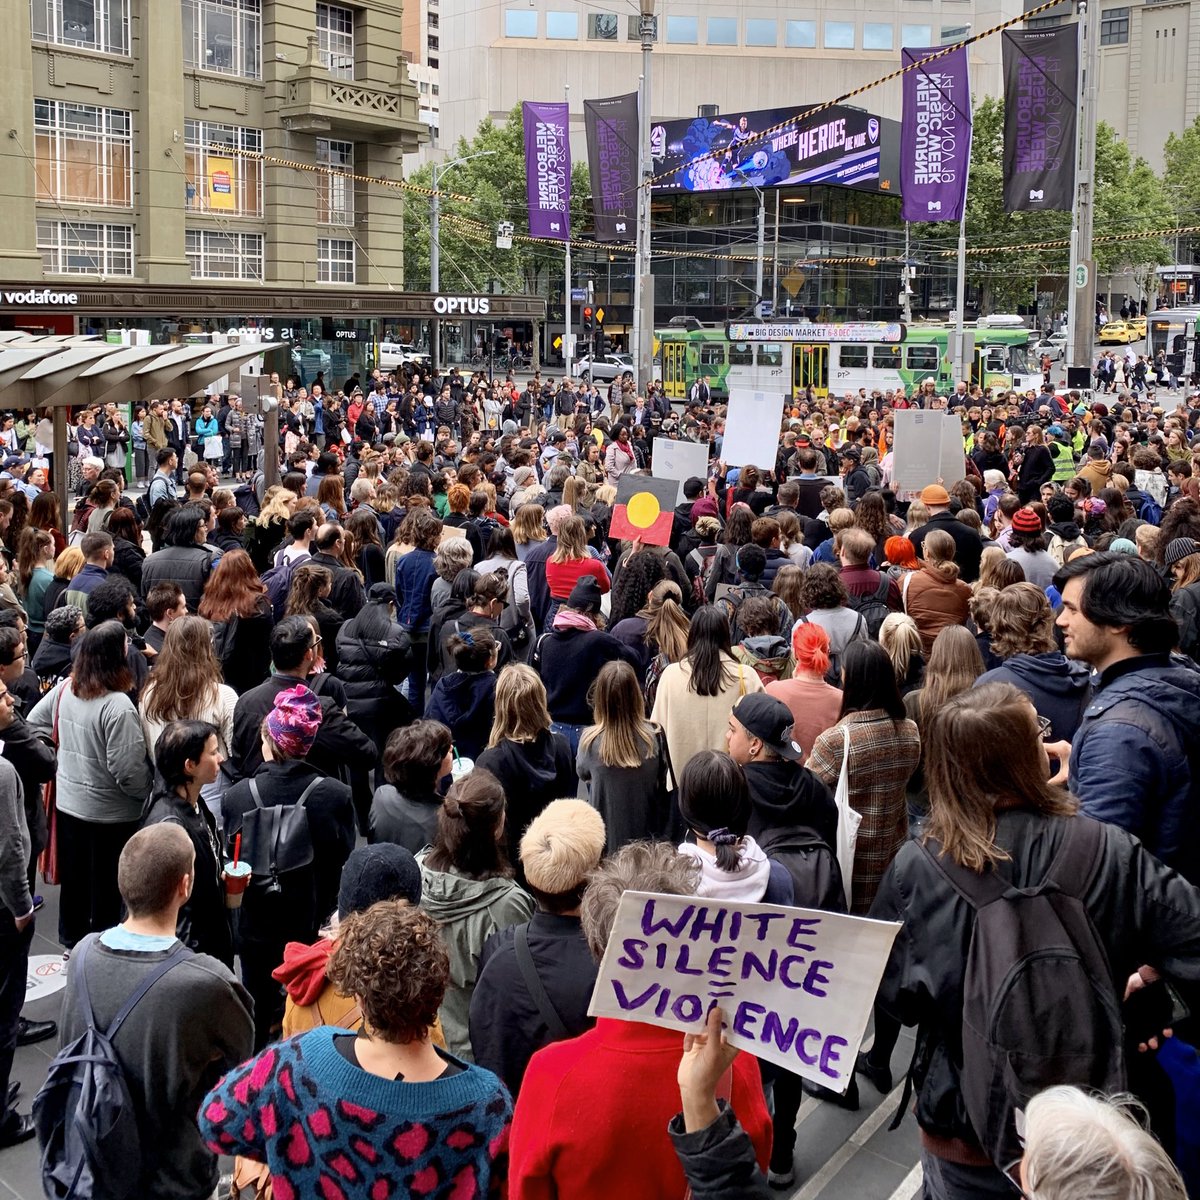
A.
pixel 333 1112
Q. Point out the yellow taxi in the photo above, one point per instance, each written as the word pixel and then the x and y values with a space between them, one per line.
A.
pixel 1138 325
pixel 1117 331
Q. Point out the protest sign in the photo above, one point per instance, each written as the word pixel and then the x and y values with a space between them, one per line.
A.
pixel 928 446
pixel 752 429
pixel 644 509
pixel 679 461
pixel 796 984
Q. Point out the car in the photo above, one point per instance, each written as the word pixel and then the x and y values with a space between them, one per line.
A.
pixel 308 360
pixel 394 355
pixel 1138 325
pixel 1054 344
pixel 606 366
pixel 1117 331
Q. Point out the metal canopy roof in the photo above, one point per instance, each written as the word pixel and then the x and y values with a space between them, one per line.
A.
pixel 68 372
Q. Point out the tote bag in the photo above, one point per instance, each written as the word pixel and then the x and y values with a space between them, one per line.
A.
pixel 848 819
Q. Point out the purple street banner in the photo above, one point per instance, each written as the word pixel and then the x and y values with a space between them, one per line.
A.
pixel 1041 95
pixel 612 138
pixel 548 168
pixel 935 136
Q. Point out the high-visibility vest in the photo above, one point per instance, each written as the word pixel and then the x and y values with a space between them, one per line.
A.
pixel 1064 462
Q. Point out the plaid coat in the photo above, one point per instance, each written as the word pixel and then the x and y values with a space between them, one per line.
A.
pixel 883 754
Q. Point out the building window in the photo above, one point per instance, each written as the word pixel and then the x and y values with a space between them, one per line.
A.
pixel 520 23
pixel 602 27
pixel 92 24
pixel 214 254
pixel 335 39
pixel 335 191
pixel 722 31
pixel 760 32
pixel 877 36
pixel 83 153
pixel 917 37
pixel 84 248
pixel 1114 27
pixel 432 44
pixel 839 35
pixel 220 176
pixel 683 31
pixel 335 260
pixel 432 64
pixel 432 20
pixel 223 36
pixel 562 26
pixel 801 35
pixel 633 31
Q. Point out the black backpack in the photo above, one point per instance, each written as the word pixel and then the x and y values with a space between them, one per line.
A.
pixel 85 1117
pixel 813 866
pixel 873 607
pixel 735 597
pixel 1039 1003
pixel 276 840
pixel 278 582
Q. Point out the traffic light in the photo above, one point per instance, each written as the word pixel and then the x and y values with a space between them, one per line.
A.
pixel 605 344
pixel 587 320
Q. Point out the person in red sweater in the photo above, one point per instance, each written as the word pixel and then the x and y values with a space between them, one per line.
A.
pixel 571 562
pixel 591 1120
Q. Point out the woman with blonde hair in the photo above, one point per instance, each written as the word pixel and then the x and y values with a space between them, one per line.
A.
pixel 66 566
pixel 528 528
pixel 918 515
pixel 186 685
pixel 623 761
pixel 569 563
pixel 813 702
pixel 267 530
pixel 534 764
pixel 901 638
pixel 934 596
pixel 667 631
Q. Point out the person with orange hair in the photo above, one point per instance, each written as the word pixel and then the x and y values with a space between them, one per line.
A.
pixel 901 555
pixel 814 704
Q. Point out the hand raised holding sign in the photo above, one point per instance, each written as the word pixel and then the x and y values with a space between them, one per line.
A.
pixel 706 1058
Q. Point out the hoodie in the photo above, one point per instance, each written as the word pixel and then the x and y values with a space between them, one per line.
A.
pixel 768 654
pixel 784 796
pixel 1063 535
pixel 469 911
pixel 532 774
pixel 1058 688
pixel 748 882
pixel 465 703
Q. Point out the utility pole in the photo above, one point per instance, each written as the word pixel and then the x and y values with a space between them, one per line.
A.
pixel 642 339
pixel 1081 286
pixel 568 307
pixel 762 250
pixel 775 261
pixel 905 285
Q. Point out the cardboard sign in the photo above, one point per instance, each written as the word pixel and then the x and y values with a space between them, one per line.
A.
pixel 928 446
pixel 680 461
pixel 796 984
pixel 752 429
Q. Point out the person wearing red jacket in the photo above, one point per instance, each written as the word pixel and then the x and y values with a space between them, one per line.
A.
pixel 591 1119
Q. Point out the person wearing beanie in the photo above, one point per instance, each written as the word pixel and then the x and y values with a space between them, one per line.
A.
pixel 573 652
pixel 536 980
pixel 968 545
pixel 294 910
pixel 1029 548
pixel 1182 560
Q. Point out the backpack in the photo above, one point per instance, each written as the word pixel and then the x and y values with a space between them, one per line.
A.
pixel 1150 510
pixel 246 497
pixel 1039 1005
pixel 812 864
pixel 85 1117
pixel 278 582
pixel 733 599
pixel 873 608
pixel 276 840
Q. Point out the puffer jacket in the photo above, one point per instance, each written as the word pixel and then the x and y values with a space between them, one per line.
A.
pixel 934 602
pixel 718 1160
pixel 1143 912
pixel 188 566
pixel 1130 762
pixel 370 669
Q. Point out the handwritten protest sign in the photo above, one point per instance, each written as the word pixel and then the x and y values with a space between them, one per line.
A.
pixel 797 984
pixel 928 446
pixel 752 429
pixel 680 461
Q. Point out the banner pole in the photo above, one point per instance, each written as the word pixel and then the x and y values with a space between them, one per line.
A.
pixel 1081 286
pixel 568 307
pixel 963 358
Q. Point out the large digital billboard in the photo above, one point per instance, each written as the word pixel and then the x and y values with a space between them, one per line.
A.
pixel 840 145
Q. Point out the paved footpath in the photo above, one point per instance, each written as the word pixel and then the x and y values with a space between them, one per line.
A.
pixel 839 1155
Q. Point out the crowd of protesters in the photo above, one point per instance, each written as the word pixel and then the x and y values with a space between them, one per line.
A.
pixel 446 720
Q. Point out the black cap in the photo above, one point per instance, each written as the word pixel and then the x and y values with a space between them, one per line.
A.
pixel 383 871
pixel 382 591
pixel 585 595
pixel 769 720
pixel 558 436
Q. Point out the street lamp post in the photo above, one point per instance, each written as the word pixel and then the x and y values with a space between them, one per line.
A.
pixel 435 251
pixel 643 284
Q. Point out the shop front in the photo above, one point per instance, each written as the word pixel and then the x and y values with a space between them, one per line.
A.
pixel 332 333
